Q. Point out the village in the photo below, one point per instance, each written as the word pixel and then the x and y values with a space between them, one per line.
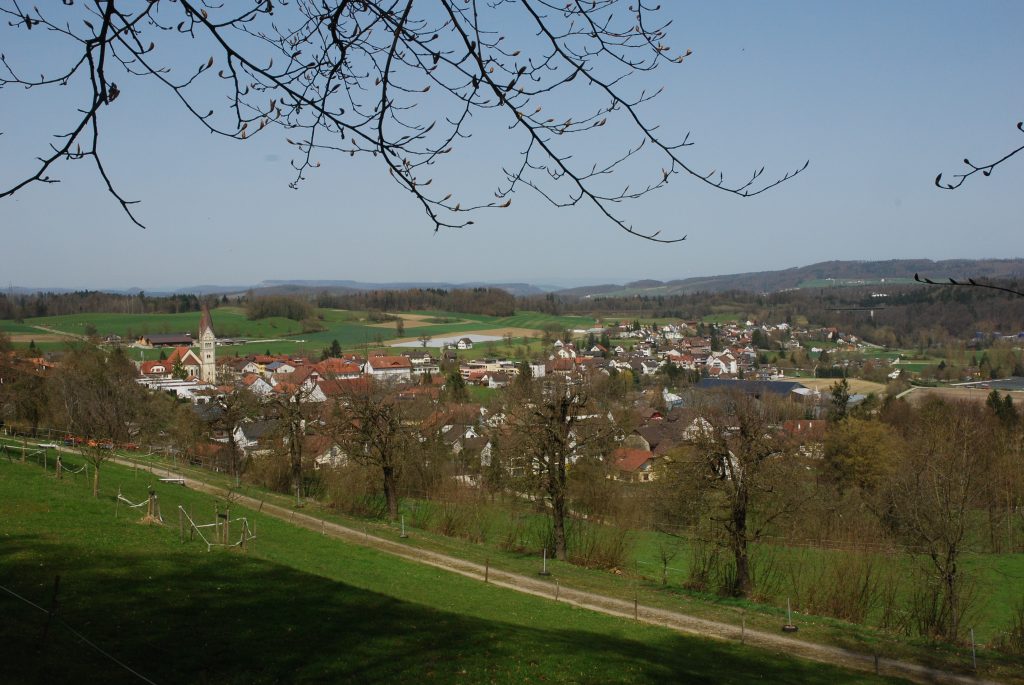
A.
pixel 725 359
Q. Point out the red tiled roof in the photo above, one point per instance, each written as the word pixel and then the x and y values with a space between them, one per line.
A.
pixel 628 459
pixel 146 368
pixel 388 362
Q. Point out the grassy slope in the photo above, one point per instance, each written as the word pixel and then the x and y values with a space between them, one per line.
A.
pixel 301 608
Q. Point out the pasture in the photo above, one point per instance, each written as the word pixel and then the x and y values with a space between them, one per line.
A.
pixel 299 607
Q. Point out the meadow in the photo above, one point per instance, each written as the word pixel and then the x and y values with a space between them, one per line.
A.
pixel 298 607
pixel 353 330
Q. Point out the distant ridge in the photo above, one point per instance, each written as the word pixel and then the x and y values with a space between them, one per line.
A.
pixel 822 274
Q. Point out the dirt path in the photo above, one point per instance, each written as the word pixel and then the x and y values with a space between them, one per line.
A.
pixel 59 333
pixel 588 600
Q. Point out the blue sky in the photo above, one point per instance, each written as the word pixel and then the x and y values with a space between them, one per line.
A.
pixel 880 97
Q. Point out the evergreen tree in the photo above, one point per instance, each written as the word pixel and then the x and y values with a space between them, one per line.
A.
pixel 840 400
pixel 455 387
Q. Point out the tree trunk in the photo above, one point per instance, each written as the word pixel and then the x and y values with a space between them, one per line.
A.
pixel 558 520
pixel 557 491
pixel 96 479
pixel 295 447
pixel 390 491
pixel 741 583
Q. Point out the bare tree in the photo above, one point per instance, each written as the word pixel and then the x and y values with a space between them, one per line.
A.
pixel 234 406
pixel 94 394
pixel 744 475
pixel 394 79
pixel 299 414
pixel 553 422
pixel 933 499
pixel 376 429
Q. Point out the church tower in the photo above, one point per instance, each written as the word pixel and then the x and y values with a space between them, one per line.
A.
pixel 207 349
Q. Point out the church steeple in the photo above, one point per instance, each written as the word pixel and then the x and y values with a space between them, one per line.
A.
pixel 205 321
pixel 207 345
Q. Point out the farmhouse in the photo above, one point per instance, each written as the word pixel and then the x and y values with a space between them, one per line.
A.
pixel 634 465
pixel 151 340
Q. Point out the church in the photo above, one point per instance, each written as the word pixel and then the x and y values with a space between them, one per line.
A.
pixel 207 348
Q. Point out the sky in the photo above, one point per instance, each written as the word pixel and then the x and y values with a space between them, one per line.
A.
pixel 879 96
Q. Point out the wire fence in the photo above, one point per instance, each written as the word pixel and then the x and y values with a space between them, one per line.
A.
pixel 217 533
pixel 52 616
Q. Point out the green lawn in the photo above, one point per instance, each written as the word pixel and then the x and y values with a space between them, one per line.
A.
pixel 299 607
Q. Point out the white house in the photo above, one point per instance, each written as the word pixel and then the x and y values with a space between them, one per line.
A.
pixel 389 368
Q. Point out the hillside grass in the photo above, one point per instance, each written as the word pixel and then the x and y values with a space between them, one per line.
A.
pixel 299 607
pixel 640 576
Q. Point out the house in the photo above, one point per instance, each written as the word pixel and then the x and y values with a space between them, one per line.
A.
pixel 634 465
pixel 566 352
pixel 307 391
pixel 255 437
pixel 496 379
pixel 155 369
pixel 338 368
pixel 280 367
pixel 389 368
pixel 191 388
pixel 464 344
pixel 256 385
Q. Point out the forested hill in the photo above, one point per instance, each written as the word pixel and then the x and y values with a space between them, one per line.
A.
pixel 820 275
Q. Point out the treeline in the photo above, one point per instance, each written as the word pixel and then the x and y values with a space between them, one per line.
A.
pixel 485 301
pixel 294 308
pixel 907 316
pixel 18 307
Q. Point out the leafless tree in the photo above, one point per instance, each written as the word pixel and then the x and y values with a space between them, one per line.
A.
pixel 94 394
pixel 374 428
pixel 398 80
pixel 933 500
pixel 745 474
pixel 551 423
pixel 299 415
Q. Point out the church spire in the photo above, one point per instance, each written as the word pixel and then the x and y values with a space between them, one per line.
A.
pixel 205 321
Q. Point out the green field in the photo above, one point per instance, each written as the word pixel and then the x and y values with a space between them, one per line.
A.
pixel 228 321
pixel 351 329
pixel 852 282
pixel 299 607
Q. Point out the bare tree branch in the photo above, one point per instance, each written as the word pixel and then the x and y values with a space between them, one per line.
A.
pixel 398 80
pixel 970 283
pixel 985 169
